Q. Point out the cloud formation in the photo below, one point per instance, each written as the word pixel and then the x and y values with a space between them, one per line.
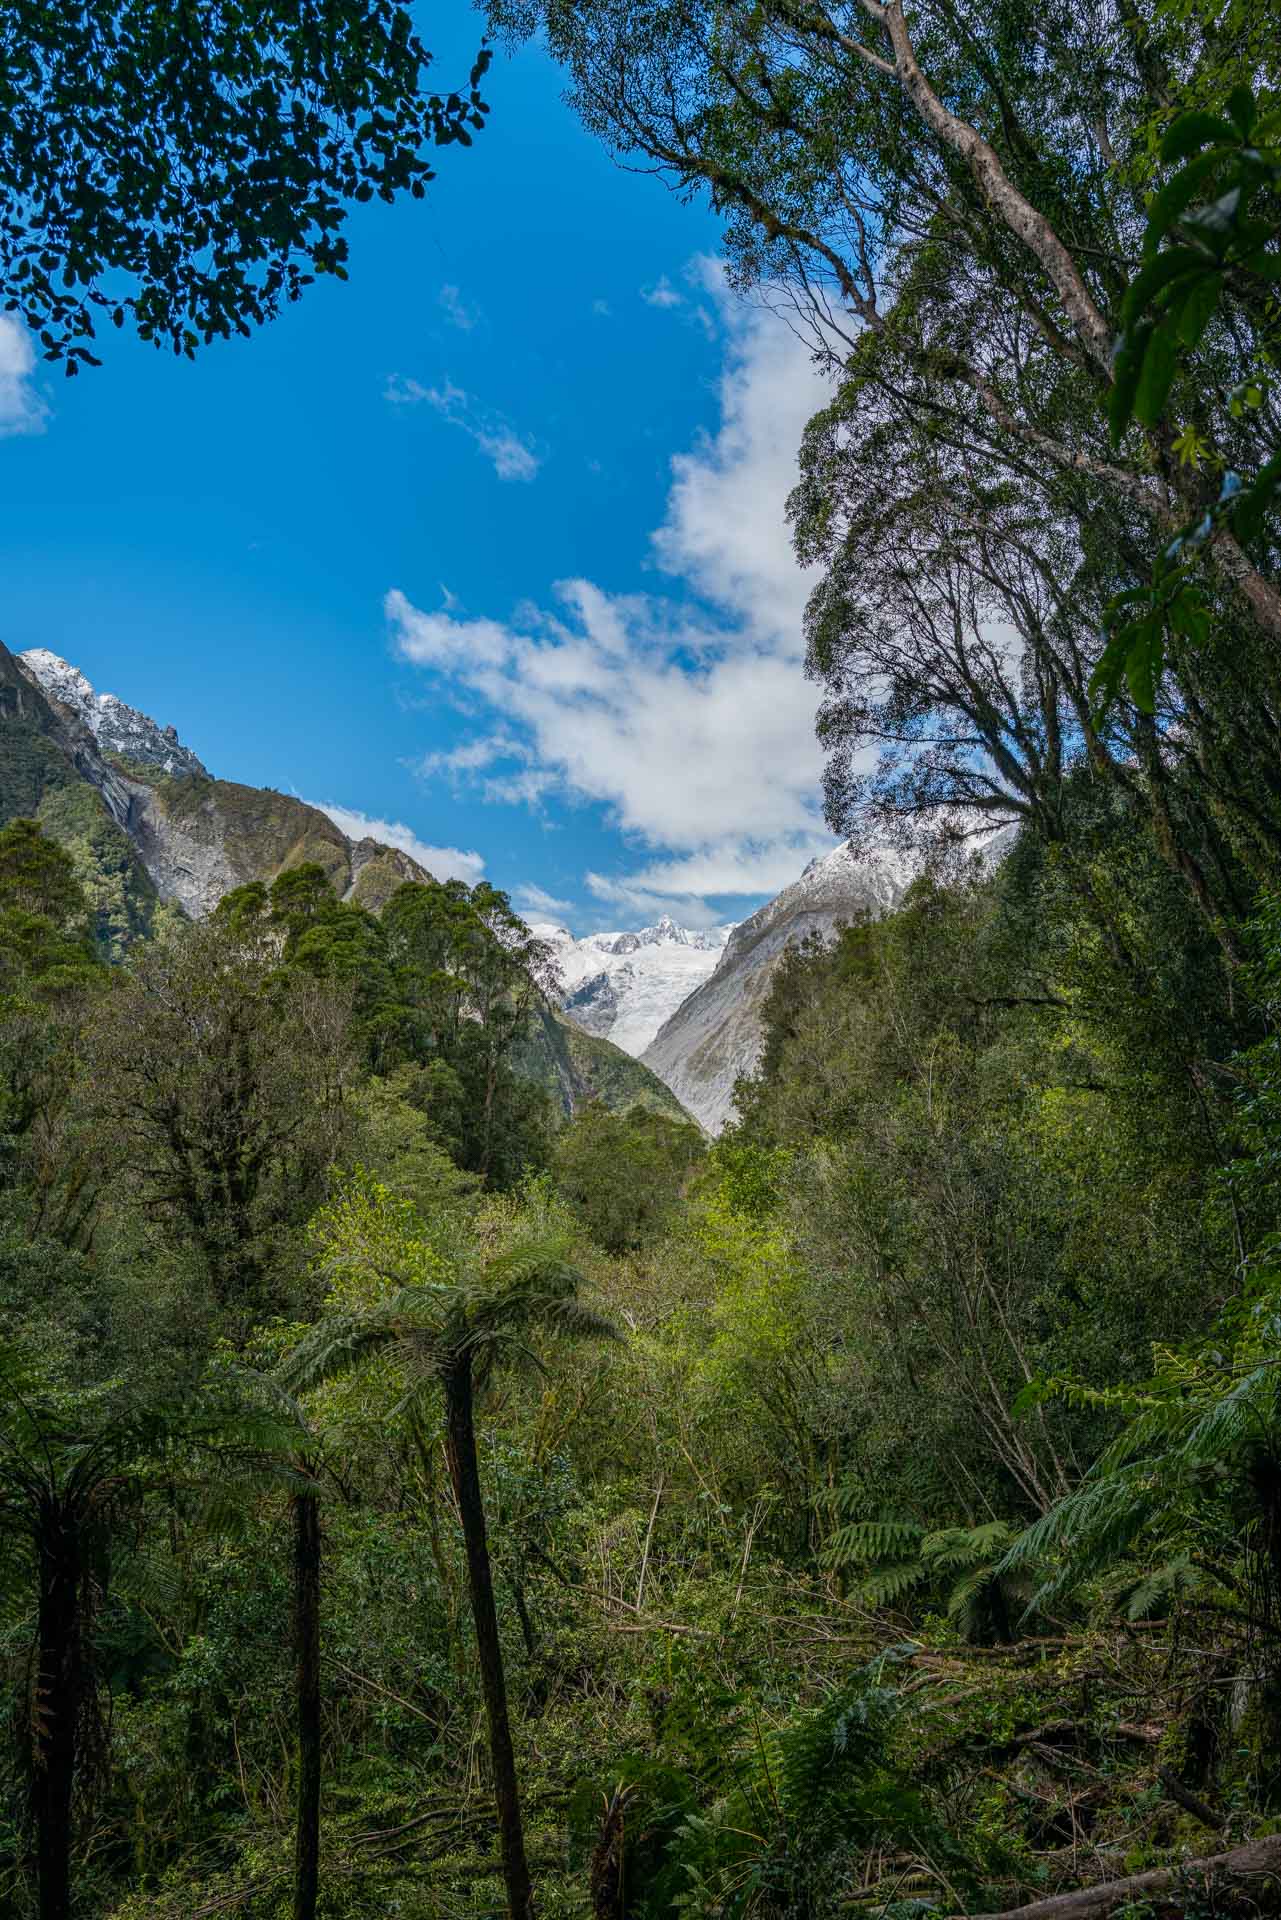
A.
pixel 686 714
pixel 511 457
pixel 662 294
pixel 443 863
pixel 531 899
pixel 22 410
pixel 457 312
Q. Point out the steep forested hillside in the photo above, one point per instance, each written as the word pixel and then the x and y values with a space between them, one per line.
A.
pixel 154 838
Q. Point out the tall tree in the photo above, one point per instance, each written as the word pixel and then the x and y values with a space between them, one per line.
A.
pixel 456 1310
pixel 950 199
pixel 215 1084
pixel 73 1465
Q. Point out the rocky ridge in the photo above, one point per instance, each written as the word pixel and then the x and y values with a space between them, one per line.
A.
pixel 116 727
pixel 152 833
pixel 715 1035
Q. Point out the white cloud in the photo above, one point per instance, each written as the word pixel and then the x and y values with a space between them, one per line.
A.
pixel 753 867
pixel 511 457
pixel 689 719
pixel 634 903
pixel 22 410
pixel 662 294
pixel 724 529
pixel 443 863
pixel 458 313
pixel 469 758
pixel 530 899
pixel 601 309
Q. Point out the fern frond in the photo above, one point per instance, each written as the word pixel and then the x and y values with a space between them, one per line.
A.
pixel 888 1584
pixel 954 1547
pixel 864 1542
pixel 1162 1585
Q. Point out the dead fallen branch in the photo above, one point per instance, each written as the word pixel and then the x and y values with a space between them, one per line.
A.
pixel 1189 1801
pixel 1257 1860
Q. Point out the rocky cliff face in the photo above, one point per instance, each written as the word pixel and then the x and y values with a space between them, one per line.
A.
pixel 715 1034
pixel 194 837
pixel 116 728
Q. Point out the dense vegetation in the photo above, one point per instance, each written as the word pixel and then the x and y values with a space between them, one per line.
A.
pixel 879 1505
pixel 410 1505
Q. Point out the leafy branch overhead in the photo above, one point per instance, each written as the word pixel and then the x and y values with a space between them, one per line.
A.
pixel 1197 248
pixel 189 168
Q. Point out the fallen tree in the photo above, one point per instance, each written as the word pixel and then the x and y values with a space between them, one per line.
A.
pixel 1257 1860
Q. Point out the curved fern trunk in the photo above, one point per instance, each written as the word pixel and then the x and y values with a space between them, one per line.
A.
pixel 306 1518
pixel 460 1437
pixel 59 1693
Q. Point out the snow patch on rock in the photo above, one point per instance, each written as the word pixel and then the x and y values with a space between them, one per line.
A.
pixel 624 985
pixel 117 727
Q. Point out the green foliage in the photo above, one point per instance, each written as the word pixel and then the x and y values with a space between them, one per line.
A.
pixel 1210 225
pixel 922 1542
pixel 808 1798
pixel 252 130
pixel 894 1558
pixel 121 894
pixel 623 1173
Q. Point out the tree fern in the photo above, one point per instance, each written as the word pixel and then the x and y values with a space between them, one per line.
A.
pixel 900 1558
pixel 1200 1446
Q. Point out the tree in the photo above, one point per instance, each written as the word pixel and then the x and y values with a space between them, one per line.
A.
pixel 848 144
pixel 451 1310
pixel 948 199
pixel 49 972
pixel 623 1173
pixel 189 167
pixel 214 1085
pixel 469 978
pixel 447 979
pixel 73 1466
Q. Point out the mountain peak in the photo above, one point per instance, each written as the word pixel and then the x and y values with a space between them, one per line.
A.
pixel 626 985
pixel 117 727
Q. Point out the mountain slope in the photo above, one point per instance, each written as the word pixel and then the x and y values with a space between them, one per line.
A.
pixel 194 836
pixel 624 986
pixel 116 728
pixel 715 1035
pixel 153 833
pixel 578 1067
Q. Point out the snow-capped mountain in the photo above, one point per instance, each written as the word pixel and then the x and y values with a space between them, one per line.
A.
pixel 715 1034
pixel 117 728
pixel 623 986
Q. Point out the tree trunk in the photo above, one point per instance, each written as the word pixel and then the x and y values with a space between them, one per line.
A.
pixel 1173 1889
pixel 59 1693
pixel 460 1433
pixel 306 1519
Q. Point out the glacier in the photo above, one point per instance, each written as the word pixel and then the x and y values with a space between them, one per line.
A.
pixel 624 985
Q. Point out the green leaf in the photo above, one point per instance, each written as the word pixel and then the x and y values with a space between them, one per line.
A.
pixel 1105 681
pixel 1143 665
pixel 1159 364
pixel 1128 365
pixel 1198 308
pixel 1192 131
pixel 1168 266
pixel 1243 110
pixel 1177 194
pixel 1247 516
pixel 1190 616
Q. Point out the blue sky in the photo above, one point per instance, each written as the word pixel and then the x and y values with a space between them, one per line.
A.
pixel 486 544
